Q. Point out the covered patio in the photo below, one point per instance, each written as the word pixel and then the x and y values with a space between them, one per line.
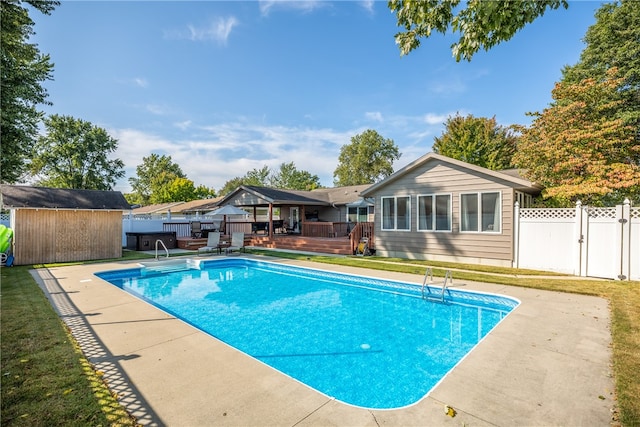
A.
pixel 315 221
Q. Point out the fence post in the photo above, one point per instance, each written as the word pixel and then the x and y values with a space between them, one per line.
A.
pixel 582 234
pixel 623 216
pixel 516 235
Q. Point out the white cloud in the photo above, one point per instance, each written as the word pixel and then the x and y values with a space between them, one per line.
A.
pixel 374 115
pixel 212 155
pixel 138 81
pixel 157 109
pixel 368 5
pixel 184 125
pixel 217 30
pixel 304 6
pixel 435 119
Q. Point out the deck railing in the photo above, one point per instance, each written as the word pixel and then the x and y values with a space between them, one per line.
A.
pixel 309 228
pixel 183 229
pixel 324 229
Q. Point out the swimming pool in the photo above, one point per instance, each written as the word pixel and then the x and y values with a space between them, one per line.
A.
pixel 367 342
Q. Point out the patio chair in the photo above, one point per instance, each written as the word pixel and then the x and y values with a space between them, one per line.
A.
pixel 237 242
pixel 293 229
pixel 196 229
pixel 213 243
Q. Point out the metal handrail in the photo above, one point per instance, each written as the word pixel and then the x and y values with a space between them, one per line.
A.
pixel 164 246
pixel 427 275
pixel 448 277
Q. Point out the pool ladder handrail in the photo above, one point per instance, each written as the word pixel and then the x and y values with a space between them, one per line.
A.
pixel 164 246
pixel 428 275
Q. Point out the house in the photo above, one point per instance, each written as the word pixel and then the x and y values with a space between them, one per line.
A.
pixel 61 225
pixel 439 208
pixel 297 207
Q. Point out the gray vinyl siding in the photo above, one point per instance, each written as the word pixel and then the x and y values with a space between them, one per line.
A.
pixel 442 178
pixel 246 199
pixel 337 214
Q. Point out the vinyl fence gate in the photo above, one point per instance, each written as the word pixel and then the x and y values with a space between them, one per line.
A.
pixel 583 241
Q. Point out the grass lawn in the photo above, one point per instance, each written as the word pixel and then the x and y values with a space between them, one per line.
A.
pixel 47 381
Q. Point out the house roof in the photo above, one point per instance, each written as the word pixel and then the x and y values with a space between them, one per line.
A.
pixel 318 197
pixel 156 208
pixel 511 175
pixel 178 207
pixel 283 197
pixel 200 205
pixel 22 196
pixel 344 195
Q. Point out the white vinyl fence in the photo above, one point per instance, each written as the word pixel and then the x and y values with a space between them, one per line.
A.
pixel 583 241
pixel 4 219
pixel 151 223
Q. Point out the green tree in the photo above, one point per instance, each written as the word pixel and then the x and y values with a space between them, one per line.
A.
pixel 256 177
pixel 23 71
pixel 204 192
pixel 180 190
pixel 481 24
pixel 289 177
pixel 177 190
pixel 613 41
pixel 367 159
pixel 73 153
pixel 155 173
pixel 231 185
pixel 583 146
pixel 477 140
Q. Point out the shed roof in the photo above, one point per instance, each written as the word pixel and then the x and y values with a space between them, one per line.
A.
pixel 22 196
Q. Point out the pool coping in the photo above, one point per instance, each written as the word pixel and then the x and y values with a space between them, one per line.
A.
pixel 547 363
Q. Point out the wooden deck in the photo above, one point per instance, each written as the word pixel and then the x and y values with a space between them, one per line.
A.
pixel 336 246
pixel 327 245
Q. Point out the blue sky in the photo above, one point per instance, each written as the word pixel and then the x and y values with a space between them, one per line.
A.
pixel 224 87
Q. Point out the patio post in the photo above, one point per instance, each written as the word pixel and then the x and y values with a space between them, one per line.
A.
pixel 270 220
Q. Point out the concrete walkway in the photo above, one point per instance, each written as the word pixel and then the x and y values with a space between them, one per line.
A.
pixel 547 363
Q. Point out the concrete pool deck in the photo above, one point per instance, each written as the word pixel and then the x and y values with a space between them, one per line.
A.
pixel 547 363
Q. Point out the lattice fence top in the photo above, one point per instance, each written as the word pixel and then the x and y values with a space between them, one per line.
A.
pixel 543 213
pixel 5 217
pixel 601 212
pixel 635 213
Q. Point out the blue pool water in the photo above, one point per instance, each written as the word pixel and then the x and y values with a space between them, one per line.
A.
pixel 363 341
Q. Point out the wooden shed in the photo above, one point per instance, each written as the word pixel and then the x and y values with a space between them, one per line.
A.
pixel 62 225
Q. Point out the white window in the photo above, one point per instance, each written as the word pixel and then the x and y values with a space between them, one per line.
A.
pixel 524 200
pixel 480 212
pixel 396 213
pixel 434 212
pixel 358 214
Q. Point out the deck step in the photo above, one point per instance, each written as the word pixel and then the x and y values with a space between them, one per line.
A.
pixel 339 246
